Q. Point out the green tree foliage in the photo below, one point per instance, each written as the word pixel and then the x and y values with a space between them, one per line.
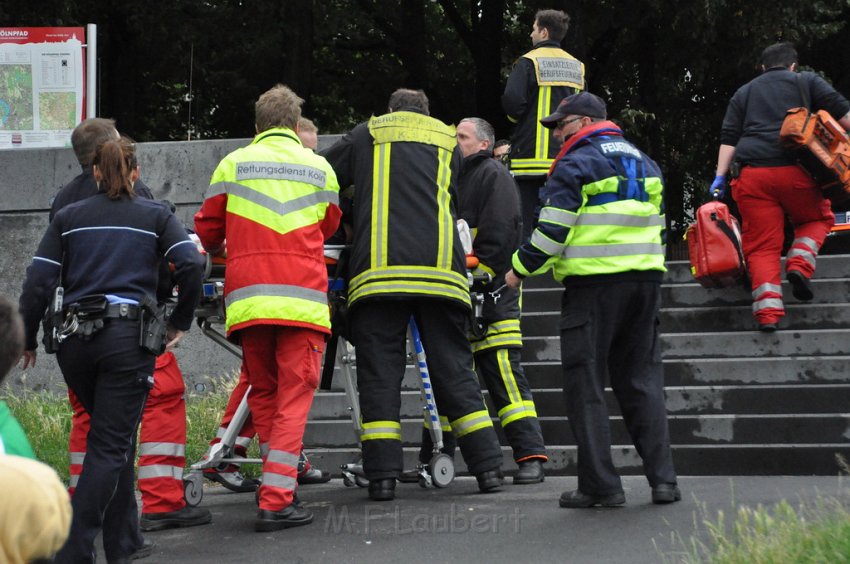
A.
pixel 171 69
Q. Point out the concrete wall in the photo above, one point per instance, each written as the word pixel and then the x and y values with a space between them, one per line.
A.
pixel 176 171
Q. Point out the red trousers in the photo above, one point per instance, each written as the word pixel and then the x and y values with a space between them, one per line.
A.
pixel 283 366
pixel 765 195
pixel 162 441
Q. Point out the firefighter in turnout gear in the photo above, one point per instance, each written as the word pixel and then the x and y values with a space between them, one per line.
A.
pixel 601 232
pixel 406 260
pixel 275 202
pixel 488 204
pixel 539 80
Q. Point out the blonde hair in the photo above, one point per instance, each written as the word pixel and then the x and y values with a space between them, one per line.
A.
pixel 277 107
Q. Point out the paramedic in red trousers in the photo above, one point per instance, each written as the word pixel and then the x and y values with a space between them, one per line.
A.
pixel 488 203
pixel 407 261
pixel 771 184
pixel 275 202
pixel 163 429
pixel 539 80
pixel 601 232
pixel 104 251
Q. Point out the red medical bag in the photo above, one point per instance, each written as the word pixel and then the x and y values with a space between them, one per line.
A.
pixel 714 247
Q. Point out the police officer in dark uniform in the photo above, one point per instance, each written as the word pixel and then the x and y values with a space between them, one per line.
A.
pixel 104 252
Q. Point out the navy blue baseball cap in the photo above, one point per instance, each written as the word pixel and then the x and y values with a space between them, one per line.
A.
pixel 580 104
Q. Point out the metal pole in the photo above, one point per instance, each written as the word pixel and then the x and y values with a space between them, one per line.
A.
pixel 91 70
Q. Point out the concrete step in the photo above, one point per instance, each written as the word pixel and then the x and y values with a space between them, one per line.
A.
pixel 833 290
pixel 766 371
pixel 684 400
pixel 684 429
pixel 833 266
pixel 739 344
pixel 729 318
pixel 690 460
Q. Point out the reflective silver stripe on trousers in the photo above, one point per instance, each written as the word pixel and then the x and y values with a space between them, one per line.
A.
pixel 77 457
pixel 162 449
pixel 514 411
pixel 807 241
pixel 279 481
pixel 243 441
pixel 283 208
pixel 607 251
pixel 220 433
pixel 275 290
pixel 559 216
pixel 545 244
pixel 160 471
pixel 75 478
pixel 620 219
pixel 283 457
pixel 461 429
pixel 807 256
pixel 264 450
pixel 768 303
pixel 767 287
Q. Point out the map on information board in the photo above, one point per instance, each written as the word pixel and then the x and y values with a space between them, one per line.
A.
pixel 41 86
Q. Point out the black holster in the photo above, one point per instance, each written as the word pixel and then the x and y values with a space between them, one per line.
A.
pixel 152 327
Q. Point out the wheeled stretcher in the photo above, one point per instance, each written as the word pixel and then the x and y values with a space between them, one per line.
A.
pixel 210 313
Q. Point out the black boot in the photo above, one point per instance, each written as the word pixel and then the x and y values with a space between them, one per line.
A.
pixel 490 481
pixel 530 472
pixel 382 489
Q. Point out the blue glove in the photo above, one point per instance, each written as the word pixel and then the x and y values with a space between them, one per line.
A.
pixel 718 187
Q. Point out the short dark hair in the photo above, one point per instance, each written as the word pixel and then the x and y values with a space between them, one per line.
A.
pixel 405 97
pixel 90 134
pixel 779 55
pixel 556 21
pixel 11 336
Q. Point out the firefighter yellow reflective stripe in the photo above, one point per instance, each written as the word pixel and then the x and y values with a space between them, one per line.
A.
pixel 617 250
pixel 276 480
pixel 542 134
pixel 275 290
pixel 411 127
pixel 471 423
pixel 620 219
pixel 558 216
pixel 162 449
pixel 380 205
pixel 405 287
pixel 445 223
pixel 515 411
pixel 426 273
pixel 505 333
pixel 767 287
pixel 444 423
pixel 160 471
pixel 380 430
pixel 507 375
pixel 484 269
pixel 283 457
pixel 546 244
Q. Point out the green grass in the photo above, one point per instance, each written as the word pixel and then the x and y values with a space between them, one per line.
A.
pixel 813 533
pixel 46 419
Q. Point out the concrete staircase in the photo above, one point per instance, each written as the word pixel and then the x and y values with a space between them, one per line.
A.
pixel 739 401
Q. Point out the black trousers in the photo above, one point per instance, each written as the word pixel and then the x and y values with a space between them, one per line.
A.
pixel 529 199
pixel 111 376
pixel 510 393
pixel 610 330
pixel 379 328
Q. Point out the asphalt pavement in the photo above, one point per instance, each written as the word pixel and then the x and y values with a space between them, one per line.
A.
pixel 458 524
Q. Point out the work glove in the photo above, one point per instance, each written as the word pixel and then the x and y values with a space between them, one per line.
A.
pixel 718 187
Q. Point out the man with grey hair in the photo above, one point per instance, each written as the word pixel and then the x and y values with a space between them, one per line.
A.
pixel 407 261
pixel 275 202
pixel 489 204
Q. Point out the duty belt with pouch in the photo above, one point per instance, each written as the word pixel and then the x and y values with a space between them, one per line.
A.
pixel 85 316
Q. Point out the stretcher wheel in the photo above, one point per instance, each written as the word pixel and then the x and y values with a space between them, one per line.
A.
pixel 361 481
pixel 442 469
pixel 193 489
